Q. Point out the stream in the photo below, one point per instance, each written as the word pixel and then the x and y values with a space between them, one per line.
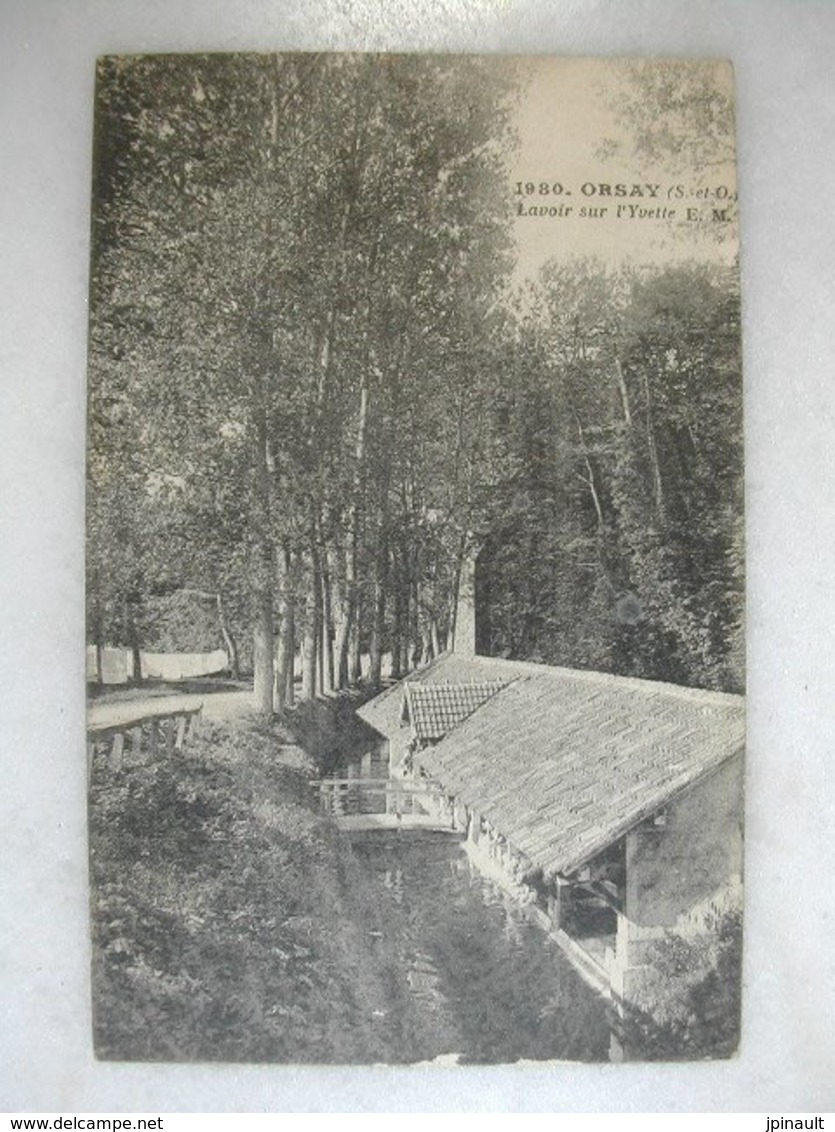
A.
pixel 492 985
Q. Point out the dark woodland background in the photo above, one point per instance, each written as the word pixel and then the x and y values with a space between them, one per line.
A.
pixel 316 388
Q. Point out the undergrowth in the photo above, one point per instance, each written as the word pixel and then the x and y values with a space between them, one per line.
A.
pixel 227 924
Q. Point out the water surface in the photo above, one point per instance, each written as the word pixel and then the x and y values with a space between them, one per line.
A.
pixel 491 984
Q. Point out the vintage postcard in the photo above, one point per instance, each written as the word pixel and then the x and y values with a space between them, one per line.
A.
pixel 415 560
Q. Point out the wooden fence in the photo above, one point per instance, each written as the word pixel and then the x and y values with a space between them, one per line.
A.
pixel 343 797
pixel 141 738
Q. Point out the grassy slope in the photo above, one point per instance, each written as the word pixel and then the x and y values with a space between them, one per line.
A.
pixel 229 920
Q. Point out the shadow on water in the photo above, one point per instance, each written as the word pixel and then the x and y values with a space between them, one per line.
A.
pixel 485 980
pixel 497 987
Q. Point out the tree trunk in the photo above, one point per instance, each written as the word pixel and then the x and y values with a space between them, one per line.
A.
pixel 316 586
pixel 279 679
pixel 589 479
pixel 309 646
pixel 658 489
pixel 595 497
pixel 263 660
pixel 397 619
pixel 434 638
pixel 624 393
pixel 318 439
pixel 405 615
pixel 375 674
pixel 228 640
pixel 264 468
pixel 354 654
pixel 381 575
pixel 328 332
pixel 348 624
pixel 375 648
pixel 327 630
pixel 343 637
pixel 417 639
pixel 285 642
pixel 133 641
pixel 288 641
pixel 453 604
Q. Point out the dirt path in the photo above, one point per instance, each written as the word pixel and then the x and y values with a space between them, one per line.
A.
pixel 217 707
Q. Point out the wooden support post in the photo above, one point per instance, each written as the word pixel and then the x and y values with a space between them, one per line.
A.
pixel 562 903
pixel 117 749
pixel 147 734
pixel 153 738
pixel 195 724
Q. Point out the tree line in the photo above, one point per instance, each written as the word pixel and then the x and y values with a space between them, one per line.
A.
pixel 314 391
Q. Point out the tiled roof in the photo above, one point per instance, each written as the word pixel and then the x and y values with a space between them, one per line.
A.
pixel 384 712
pixel 564 762
pixel 434 709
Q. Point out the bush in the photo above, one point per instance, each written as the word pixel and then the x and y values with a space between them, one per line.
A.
pixel 692 1008
pixel 228 923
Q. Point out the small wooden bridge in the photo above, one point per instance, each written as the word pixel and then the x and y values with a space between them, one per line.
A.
pixel 383 803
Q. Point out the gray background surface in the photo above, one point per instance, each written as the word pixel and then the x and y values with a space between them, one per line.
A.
pixel 784 55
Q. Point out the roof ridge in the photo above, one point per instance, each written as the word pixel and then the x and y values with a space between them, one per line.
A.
pixel 421 685
pixel 625 771
pixel 610 679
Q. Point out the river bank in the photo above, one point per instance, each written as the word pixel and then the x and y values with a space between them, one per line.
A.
pixel 228 921
pixel 232 922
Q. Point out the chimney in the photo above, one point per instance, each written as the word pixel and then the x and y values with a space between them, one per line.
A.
pixel 464 637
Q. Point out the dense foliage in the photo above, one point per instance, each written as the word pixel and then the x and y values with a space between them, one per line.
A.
pixel 229 923
pixel 694 1009
pixel 622 549
pixel 314 391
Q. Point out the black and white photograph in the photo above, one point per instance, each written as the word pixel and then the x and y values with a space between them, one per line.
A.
pixel 415 560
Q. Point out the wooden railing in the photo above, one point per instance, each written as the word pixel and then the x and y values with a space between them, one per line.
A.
pixel 141 738
pixel 343 797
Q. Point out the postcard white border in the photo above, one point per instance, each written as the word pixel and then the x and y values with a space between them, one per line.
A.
pixel 783 56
